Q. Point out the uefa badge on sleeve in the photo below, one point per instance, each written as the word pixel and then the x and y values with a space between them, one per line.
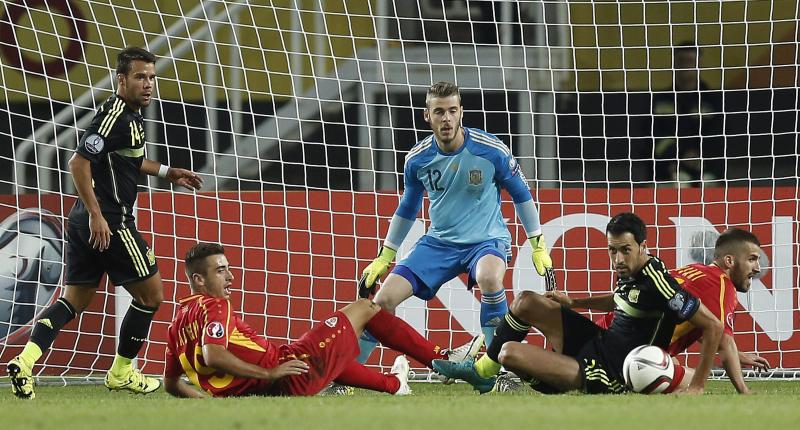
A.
pixel 94 144
pixel 215 330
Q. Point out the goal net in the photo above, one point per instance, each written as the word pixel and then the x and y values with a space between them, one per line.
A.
pixel 298 115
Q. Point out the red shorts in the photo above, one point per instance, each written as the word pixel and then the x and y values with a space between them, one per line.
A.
pixel 328 348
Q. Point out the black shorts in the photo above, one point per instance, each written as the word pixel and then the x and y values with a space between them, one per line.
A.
pixel 583 341
pixel 128 259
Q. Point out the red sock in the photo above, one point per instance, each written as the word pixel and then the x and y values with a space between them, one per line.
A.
pixel 680 372
pixel 356 375
pixel 399 336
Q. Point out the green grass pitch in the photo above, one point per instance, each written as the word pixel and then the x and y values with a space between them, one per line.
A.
pixel 433 406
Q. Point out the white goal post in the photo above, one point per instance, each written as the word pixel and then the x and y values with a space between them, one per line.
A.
pixel 298 115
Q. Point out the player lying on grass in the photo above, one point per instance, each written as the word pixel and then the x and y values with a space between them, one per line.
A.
pixel 223 356
pixel 736 263
pixel 647 303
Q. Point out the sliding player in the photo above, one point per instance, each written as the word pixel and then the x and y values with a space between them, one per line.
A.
pixel 102 235
pixel 647 303
pixel 462 169
pixel 736 263
pixel 224 356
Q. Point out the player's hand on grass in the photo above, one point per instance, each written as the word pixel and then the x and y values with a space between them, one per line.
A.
pixel 540 257
pixel 690 390
pixel 99 233
pixel 184 178
pixel 559 297
pixel 289 368
pixel 378 267
pixel 752 360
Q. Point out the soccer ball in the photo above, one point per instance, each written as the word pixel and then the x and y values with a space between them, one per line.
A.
pixel 648 369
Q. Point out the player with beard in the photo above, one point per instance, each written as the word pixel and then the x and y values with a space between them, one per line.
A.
pixel 102 235
pixel 647 303
pixel 462 170
pixel 736 263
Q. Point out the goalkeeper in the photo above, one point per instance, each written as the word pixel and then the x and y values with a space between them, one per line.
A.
pixel 462 169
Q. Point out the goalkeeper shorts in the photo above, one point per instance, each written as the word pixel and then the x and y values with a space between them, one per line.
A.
pixel 433 262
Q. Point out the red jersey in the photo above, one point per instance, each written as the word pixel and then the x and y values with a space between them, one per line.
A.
pixel 202 320
pixel 714 289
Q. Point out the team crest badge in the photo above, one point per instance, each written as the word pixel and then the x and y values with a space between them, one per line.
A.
pixel 94 144
pixel 215 330
pixel 633 296
pixel 331 322
pixel 151 258
pixel 475 177
pixel 729 320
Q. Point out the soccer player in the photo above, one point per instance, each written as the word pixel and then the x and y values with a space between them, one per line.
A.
pixel 462 169
pixel 647 303
pixel 223 356
pixel 736 262
pixel 102 235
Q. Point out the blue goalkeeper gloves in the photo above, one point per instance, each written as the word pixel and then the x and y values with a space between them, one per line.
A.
pixel 375 271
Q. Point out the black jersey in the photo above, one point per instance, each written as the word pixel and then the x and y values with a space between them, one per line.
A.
pixel 114 144
pixel 647 308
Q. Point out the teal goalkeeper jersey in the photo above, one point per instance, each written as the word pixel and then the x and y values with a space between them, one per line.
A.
pixel 463 187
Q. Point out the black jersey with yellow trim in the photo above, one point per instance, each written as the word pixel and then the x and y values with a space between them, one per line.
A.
pixel 647 306
pixel 114 145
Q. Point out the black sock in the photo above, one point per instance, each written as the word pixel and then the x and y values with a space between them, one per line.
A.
pixel 511 329
pixel 134 330
pixel 50 323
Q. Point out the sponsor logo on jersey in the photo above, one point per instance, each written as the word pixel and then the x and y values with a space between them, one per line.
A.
pixel 331 322
pixel 94 144
pixel 215 330
pixel 475 177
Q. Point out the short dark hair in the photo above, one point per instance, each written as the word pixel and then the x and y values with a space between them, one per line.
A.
pixel 731 239
pixel 627 222
pixel 129 55
pixel 442 89
pixel 196 257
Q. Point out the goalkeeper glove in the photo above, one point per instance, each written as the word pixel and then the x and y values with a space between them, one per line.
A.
pixel 376 269
pixel 540 256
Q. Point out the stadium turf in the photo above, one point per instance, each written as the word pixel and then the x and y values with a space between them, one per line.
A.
pixel 433 406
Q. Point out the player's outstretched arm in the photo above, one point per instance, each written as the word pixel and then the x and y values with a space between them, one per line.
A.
pixel 176 387
pixel 99 232
pixel 178 176
pixel 219 358
pixel 729 354
pixel 711 327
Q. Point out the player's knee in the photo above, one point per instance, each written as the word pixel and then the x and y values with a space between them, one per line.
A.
pixel 384 304
pixel 526 302
pixel 152 299
pixel 509 353
pixel 489 283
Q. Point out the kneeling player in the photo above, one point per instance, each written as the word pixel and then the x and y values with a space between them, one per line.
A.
pixel 647 303
pixel 224 356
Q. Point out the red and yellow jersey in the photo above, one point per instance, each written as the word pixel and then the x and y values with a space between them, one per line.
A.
pixel 202 320
pixel 715 290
